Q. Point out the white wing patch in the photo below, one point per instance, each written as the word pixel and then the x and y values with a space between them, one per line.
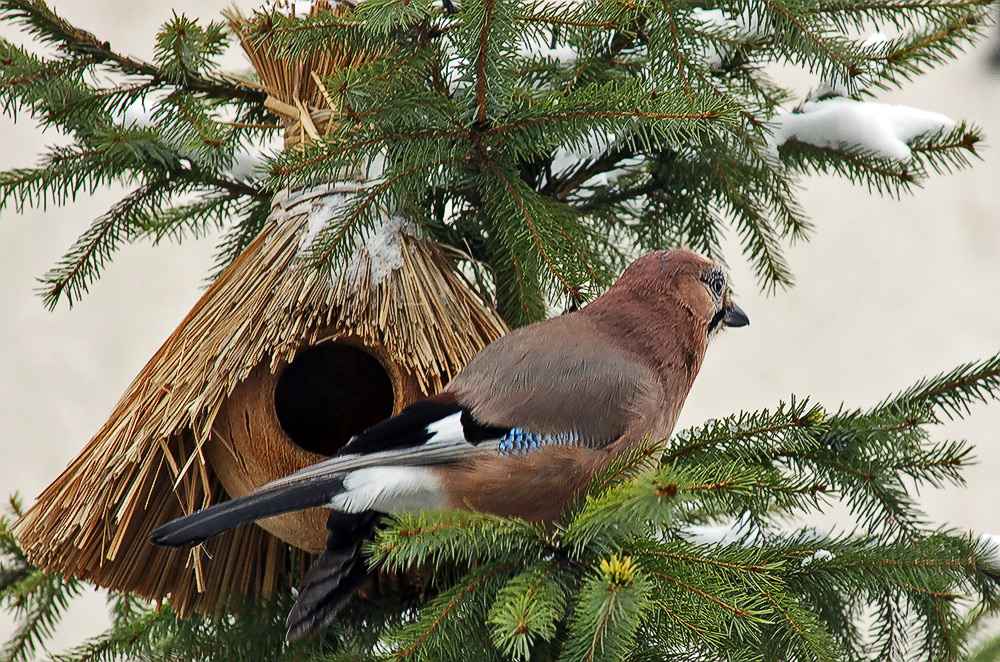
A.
pixel 446 444
pixel 446 431
pixel 390 489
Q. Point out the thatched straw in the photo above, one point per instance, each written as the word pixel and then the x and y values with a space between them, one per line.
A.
pixel 145 466
pixel 295 88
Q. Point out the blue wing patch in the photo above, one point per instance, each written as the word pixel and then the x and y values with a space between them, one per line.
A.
pixel 518 441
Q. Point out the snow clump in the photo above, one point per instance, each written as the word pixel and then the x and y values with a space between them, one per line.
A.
pixel 879 129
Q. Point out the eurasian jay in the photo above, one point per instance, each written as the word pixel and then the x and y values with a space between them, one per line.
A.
pixel 520 431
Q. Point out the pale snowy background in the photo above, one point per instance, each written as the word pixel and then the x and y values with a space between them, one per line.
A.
pixel 888 292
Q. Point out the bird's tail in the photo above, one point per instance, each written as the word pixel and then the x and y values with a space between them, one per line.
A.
pixel 335 576
pixel 218 518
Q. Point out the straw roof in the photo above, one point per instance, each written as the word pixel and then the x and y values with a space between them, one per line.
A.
pixel 295 88
pixel 146 465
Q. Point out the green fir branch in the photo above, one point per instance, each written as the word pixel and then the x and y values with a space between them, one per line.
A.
pixel 40 20
pixel 935 42
pixel 946 151
pixel 610 607
pixel 953 392
pixel 456 615
pixel 80 266
pixel 847 15
pixel 528 610
pixel 36 600
pixel 801 40
pixel 240 235
pixel 442 537
pixel 879 175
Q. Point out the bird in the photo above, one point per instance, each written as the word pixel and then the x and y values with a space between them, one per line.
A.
pixel 518 432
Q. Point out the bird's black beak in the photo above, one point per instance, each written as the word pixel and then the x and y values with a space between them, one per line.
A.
pixel 735 316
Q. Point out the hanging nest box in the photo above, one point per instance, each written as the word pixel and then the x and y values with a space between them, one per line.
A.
pixel 275 368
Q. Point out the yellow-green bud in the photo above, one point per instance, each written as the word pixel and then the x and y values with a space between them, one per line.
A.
pixel 618 571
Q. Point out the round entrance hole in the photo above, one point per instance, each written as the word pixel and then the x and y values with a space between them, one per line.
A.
pixel 330 393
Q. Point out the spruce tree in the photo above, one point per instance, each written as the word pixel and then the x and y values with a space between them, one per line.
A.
pixel 548 143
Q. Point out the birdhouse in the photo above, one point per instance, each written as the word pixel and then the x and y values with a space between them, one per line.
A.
pixel 275 368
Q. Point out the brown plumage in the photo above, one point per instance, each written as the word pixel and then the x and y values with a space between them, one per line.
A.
pixel 519 432
pixel 619 369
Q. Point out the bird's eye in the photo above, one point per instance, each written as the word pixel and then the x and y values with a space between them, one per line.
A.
pixel 716 284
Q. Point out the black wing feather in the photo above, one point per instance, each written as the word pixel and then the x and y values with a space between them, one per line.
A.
pixel 199 526
pixel 407 429
pixel 410 427
pixel 335 576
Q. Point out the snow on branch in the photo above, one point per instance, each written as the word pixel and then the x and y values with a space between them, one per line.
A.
pixel 879 129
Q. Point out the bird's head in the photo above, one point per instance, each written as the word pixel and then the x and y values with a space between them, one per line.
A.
pixel 724 310
pixel 696 284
